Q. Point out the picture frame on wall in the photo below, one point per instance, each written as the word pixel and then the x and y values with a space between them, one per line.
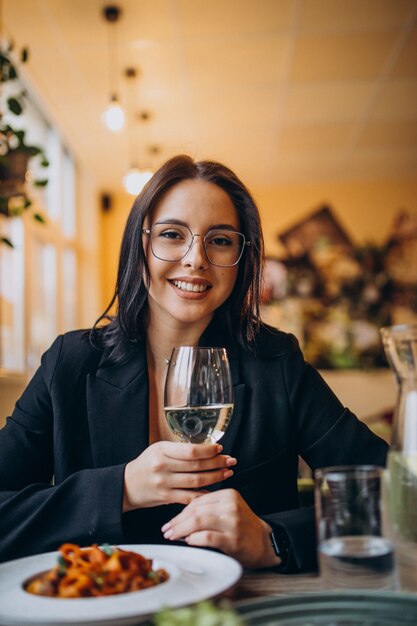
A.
pixel 320 227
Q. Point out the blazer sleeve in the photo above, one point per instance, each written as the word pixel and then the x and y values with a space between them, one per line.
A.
pixel 35 515
pixel 327 434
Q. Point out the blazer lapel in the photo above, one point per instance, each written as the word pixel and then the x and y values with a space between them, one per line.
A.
pixel 229 438
pixel 216 335
pixel 118 410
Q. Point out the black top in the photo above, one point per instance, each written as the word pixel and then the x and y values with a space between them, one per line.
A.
pixel 81 419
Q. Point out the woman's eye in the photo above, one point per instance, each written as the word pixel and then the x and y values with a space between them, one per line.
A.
pixel 171 234
pixel 220 240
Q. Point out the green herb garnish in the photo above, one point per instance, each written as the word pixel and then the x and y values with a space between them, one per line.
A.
pixel 62 566
pixel 107 549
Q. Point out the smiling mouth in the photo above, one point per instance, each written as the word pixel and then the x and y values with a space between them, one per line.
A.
pixel 192 287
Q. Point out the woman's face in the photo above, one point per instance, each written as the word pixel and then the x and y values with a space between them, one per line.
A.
pixel 201 206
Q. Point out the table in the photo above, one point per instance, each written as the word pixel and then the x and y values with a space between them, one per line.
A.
pixel 255 584
pixel 264 596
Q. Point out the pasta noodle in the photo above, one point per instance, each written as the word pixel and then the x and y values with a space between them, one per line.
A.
pixel 96 571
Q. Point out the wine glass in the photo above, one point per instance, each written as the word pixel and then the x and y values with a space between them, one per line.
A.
pixel 198 398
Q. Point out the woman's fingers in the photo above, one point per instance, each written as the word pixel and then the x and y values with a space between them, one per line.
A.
pixel 191 458
pixel 166 469
pixel 211 511
pixel 208 539
pixel 223 520
pixel 185 496
pixel 197 522
pixel 190 451
pixel 189 480
pixel 220 461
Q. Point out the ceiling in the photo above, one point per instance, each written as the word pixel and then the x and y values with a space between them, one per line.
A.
pixel 283 91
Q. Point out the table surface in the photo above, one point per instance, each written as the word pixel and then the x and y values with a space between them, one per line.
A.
pixel 255 584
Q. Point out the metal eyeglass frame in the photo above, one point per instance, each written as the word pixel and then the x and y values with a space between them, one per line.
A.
pixel 148 231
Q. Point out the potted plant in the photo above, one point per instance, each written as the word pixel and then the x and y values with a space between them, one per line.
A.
pixel 15 153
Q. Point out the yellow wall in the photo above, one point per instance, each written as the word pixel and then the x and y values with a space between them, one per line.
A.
pixel 365 209
pixel 112 226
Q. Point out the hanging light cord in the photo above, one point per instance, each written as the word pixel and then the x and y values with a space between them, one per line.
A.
pixel 133 140
pixel 112 57
pixel 111 14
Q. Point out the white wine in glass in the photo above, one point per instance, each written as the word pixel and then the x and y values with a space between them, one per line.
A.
pixel 198 399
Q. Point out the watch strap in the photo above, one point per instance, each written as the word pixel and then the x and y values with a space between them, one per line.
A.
pixel 280 544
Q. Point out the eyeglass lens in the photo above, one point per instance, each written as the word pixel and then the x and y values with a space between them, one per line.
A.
pixel 171 242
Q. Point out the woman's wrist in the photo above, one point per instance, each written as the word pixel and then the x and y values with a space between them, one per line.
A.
pixel 126 504
pixel 270 557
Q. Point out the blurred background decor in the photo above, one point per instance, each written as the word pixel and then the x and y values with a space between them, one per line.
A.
pixel 335 295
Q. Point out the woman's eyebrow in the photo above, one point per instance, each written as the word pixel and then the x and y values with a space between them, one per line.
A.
pixel 177 222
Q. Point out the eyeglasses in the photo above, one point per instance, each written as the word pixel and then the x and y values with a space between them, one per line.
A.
pixel 172 242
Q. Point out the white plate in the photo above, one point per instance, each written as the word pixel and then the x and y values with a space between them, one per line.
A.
pixel 195 574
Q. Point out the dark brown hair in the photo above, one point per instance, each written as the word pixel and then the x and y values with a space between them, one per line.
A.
pixel 129 324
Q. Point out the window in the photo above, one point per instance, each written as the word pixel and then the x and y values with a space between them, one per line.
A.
pixel 12 300
pixel 38 278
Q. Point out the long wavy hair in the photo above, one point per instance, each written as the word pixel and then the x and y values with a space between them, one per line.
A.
pixel 241 310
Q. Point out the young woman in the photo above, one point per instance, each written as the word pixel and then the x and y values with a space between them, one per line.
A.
pixel 87 455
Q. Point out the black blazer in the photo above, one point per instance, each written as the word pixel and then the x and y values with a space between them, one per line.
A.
pixel 80 420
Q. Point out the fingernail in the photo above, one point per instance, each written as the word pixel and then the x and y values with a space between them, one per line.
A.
pixel 165 527
pixel 227 473
pixel 231 461
pixel 168 534
pixel 219 448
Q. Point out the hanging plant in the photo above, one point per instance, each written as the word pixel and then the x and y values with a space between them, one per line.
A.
pixel 15 153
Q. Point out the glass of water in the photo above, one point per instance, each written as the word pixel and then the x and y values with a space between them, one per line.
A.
pixel 198 398
pixel 354 549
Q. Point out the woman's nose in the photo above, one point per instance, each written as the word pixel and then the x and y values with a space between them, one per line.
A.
pixel 196 256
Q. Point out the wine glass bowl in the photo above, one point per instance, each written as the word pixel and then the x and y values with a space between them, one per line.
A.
pixel 198 398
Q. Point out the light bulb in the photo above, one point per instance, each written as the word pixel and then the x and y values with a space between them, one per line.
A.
pixel 113 116
pixel 135 180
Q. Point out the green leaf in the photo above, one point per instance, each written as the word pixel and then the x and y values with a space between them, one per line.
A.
pixel 40 183
pixel 39 218
pixel 28 203
pixel 33 150
pixel 8 71
pixel 45 162
pixel 6 241
pixel 24 55
pixel 4 205
pixel 15 106
pixel 107 549
pixel 20 134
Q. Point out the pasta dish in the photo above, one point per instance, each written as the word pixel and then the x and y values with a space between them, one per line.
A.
pixel 96 571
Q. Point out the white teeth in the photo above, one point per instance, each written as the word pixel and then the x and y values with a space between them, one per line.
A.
pixel 181 284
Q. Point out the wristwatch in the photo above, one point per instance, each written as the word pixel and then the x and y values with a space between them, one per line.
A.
pixel 280 543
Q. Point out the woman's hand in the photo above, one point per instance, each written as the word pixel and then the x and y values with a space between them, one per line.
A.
pixel 168 472
pixel 223 520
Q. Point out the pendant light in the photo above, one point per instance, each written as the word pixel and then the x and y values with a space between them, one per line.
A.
pixel 136 178
pixel 113 116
